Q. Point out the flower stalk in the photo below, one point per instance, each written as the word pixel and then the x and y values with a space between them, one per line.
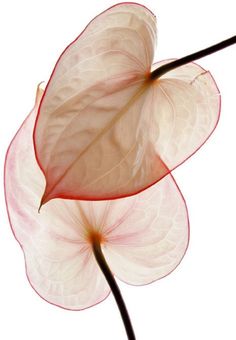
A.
pixel 160 71
pixel 114 287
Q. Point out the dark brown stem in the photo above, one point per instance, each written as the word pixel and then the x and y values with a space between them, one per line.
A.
pixel 191 57
pixel 114 288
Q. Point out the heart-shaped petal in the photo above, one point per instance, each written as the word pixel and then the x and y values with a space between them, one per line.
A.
pixel 105 129
pixel 144 237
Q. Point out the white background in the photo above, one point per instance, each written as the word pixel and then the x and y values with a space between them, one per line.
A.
pixel 198 300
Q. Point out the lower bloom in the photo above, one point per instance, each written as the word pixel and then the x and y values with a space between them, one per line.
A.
pixel 143 237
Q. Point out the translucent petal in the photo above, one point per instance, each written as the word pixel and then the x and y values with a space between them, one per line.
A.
pixel 59 262
pixel 186 107
pixel 105 130
pixel 147 234
pixel 144 236
pixel 90 132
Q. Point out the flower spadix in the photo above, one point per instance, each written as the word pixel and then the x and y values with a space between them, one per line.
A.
pixel 143 237
pixel 105 129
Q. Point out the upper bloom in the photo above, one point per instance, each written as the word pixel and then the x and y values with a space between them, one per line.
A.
pixel 105 129
pixel 143 237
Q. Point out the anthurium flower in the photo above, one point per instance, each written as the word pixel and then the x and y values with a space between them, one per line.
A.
pixel 142 237
pixel 108 126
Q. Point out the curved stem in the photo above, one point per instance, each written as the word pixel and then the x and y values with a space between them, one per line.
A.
pixel 191 57
pixel 114 288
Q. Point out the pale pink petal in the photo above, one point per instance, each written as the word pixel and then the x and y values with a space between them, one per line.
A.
pixel 90 136
pixel 59 263
pixel 144 236
pixel 105 130
pixel 147 234
pixel 186 107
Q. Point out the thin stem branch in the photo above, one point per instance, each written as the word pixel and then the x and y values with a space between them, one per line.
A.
pixel 114 288
pixel 191 57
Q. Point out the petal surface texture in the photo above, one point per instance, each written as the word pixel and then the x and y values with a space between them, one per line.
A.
pixel 104 129
pixel 144 237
